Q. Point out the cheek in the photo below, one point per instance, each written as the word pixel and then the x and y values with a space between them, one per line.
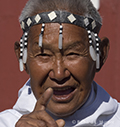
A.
pixel 83 69
pixel 38 73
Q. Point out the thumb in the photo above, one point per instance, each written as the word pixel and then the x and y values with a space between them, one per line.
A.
pixel 60 122
pixel 43 100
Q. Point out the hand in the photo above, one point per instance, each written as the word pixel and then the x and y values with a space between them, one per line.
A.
pixel 39 117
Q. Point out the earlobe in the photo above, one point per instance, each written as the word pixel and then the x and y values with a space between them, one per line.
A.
pixel 104 50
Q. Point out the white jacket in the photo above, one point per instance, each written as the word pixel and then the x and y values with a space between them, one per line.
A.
pixel 104 111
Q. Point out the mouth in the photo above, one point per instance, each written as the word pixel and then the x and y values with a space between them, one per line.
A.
pixel 64 94
pixel 63 91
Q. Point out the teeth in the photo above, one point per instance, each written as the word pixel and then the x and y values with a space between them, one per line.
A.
pixel 64 88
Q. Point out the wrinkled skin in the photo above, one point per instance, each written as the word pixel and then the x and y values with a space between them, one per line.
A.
pixel 70 68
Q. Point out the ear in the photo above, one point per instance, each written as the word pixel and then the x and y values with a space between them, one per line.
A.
pixel 104 49
pixel 17 52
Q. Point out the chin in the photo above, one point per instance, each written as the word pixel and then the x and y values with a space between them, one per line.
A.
pixel 61 114
pixel 62 110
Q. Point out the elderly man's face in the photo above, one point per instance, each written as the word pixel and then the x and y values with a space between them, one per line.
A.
pixel 69 71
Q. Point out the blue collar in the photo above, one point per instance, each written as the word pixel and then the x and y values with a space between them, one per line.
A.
pixel 76 117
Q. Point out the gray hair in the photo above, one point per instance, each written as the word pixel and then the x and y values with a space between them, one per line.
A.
pixel 80 7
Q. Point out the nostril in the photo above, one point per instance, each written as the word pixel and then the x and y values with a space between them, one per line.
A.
pixel 51 74
pixel 59 76
pixel 67 73
pixel 59 82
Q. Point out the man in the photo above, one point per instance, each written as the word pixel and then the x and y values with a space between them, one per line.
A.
pixel 61 51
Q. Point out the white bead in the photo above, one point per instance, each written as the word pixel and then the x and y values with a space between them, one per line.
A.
pixel 42 29
pixel 89 36
pixel 21 49
pixel 92 53
pixel 21 45
pixel 95 35
pixel 25 55
pixel 40 40
pixel 97 44
pixel 61 27
pixel 98 62
pixel 60 41
pixel 43 25
pixel 25 39
pixel 21 40
pixel 60 31
pixel 90 41
pixel 97 39
pixel 21 65
pixel 26 33
pixel 25 43
pixel 89 31
pixel 97 49
pixel 21 54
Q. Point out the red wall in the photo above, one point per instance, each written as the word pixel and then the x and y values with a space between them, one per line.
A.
pixel 10 77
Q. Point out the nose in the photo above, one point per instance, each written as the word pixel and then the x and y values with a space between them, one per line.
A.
pixel 59 72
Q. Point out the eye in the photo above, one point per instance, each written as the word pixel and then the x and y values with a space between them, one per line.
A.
pixel 44 55
pixel 72 53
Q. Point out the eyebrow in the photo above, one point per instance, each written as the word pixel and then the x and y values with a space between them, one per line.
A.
pixel 44 46
pixel 73 45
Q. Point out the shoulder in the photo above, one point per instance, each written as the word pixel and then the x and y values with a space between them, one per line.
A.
pixel 109 108
pixel 25 104
pixel 115 119
pixel 26 101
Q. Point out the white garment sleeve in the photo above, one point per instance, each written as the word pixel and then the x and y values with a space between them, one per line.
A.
pixel 24 105
pixel 8 118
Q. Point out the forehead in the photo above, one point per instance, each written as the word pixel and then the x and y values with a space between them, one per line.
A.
pixel 71 33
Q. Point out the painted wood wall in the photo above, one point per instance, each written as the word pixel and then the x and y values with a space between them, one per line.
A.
pixel 11 80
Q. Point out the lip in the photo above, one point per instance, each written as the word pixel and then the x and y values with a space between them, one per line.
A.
pixel 65 97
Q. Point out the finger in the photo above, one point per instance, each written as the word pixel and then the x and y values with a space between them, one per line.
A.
pixel 60 122
pixel 30 122
pixel 42 115
pixel 44 99
pixel 36 123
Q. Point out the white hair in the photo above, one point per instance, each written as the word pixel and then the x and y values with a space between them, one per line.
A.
pixel 80 7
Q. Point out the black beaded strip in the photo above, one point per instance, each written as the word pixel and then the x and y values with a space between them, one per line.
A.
pixel 21 48
pixel 97 43
pixel 25 40
pixel 90 37
pixel 60 36
pixel 61 29
pixel 42 29
pixel 60 17
pixel 41 35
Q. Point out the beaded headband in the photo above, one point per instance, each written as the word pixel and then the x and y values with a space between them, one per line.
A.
pixel 92 27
